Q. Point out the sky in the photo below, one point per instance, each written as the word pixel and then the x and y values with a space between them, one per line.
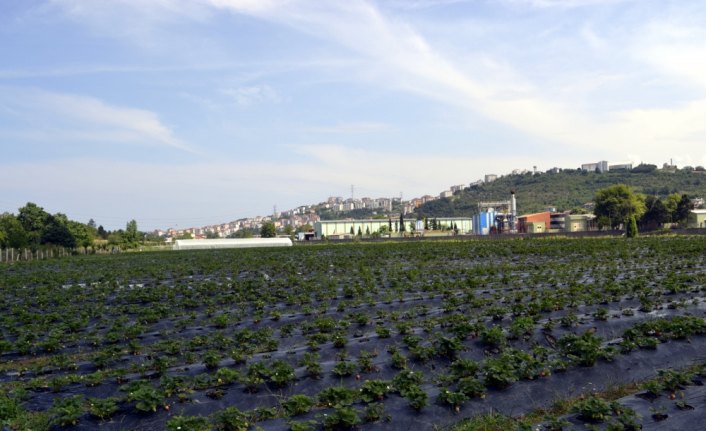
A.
pixel 184 113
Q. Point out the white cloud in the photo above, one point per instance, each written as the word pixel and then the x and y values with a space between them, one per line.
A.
pixel 564 4
pixel 675 49
pixel 346 128
pixel 61 116
pixel 251 95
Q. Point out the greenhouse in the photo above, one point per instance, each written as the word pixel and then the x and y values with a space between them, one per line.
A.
pixel 208 244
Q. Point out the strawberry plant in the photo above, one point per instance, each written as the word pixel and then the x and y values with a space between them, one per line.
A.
pixel 337 396
pixel 415 396
pixel 343 417
pixel 102 408
pixel 298 405
pixel 67 411
pixel 146 398
pixel 232 419
pixel 374 390
pixel 188 423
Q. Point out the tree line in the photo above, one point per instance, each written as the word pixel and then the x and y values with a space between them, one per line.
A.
pixel 33 227
pixel 619 205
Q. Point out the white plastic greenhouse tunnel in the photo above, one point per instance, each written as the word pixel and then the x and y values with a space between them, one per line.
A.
pixel 209 244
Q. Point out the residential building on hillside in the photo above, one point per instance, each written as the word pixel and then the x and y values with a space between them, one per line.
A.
pixel 601 166
pixel 620 167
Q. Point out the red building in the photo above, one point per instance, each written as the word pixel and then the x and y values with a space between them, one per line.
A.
pixel 524 222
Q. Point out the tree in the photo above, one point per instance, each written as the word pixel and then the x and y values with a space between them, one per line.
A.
pixel 367 230
pixel 102 233
pixel 656 213
pixel 402 228
pixel 83 234
pixel 360 233
pixel 212 234
pixel 57 232
pixel 268 230
pixel 304 228
pixel 615 204
pixel 12 234
pixel 684 207
pixel 131 237
pixel 352 231
pixel 242 233
pixel 671 203
pixel 33 219
pixel 289 230
pixel 631 230
pixel 389 224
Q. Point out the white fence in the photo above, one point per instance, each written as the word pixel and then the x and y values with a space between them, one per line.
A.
pixel 26 254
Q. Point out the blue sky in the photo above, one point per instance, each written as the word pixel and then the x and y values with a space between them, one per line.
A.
pixel 183 113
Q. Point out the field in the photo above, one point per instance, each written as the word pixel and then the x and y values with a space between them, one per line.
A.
pixel 526 333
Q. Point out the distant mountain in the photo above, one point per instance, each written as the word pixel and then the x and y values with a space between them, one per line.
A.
pixel 564 190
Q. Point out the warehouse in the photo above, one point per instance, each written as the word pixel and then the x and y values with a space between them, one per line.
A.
pixel 348 228
pixel 209 244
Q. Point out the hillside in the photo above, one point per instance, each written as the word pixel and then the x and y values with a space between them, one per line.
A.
pixel 564 190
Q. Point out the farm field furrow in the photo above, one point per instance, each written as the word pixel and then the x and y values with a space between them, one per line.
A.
pixel 389 335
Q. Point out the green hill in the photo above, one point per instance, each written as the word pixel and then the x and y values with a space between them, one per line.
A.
pixel 564 190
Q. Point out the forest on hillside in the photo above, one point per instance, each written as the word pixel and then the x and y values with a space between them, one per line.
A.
pixel 564 190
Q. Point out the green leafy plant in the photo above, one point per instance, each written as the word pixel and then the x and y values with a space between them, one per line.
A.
pixel 232 419
pixel 593 409
pixel 67 411
pixel 146 398
pixel 337 396
pixel 343 417
pixel 298 405
pixel 102 408
pixel 188 423
pixel 374 390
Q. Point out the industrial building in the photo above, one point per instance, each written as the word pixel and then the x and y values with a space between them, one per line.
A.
pixel 210 244
pixel 496 217
pixel 534 223
pixel 696 219
pixel 346 228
